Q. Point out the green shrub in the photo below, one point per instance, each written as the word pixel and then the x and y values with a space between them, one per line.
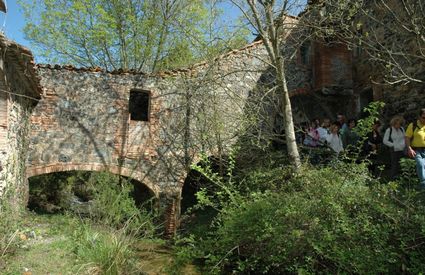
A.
pixel 113 205
pixel 408 177
pixel 105 251
pixel 51 192
pixel 329 220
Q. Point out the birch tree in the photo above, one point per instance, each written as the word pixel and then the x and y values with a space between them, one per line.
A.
pixel 271 20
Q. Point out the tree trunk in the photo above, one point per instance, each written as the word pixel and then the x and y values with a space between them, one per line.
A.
pixel 288 121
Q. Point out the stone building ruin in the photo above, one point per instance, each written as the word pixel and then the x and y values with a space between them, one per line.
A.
pixel 151 127
pixel 19 93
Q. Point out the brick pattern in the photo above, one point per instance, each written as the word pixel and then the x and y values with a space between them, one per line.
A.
pixel 61 167
pixel 332 66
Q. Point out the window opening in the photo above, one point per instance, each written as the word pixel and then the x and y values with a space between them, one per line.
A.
pixel 305 54
pixel 139 105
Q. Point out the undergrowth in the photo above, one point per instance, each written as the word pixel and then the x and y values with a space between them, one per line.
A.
pixel 332 219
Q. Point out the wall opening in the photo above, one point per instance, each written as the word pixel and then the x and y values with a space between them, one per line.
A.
pixel 139 105
pixel 305 53
pixel 76 191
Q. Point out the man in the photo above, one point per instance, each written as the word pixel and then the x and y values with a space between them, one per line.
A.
pixel 341 119
pixel 415 143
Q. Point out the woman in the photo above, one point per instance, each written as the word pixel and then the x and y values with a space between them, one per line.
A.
pixel 312 137
pixel 394 138
pixel 333 139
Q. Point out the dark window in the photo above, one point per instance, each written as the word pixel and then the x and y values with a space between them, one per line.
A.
pixel 305 54
pixel 139 105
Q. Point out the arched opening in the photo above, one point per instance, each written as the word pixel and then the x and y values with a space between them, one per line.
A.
pixel 198 219
pixel 78 191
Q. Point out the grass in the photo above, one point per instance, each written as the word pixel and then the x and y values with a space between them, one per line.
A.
pixel 43 247
pixel 61 244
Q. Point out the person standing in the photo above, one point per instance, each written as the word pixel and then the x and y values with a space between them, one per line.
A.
pixel 349 137
pixel 333 139
pixel 340 118
pixel 394 139
pixel 312 137
pixel 415 143
pixel 324 130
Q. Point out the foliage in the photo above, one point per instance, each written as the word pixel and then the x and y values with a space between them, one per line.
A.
pixel 9 226
pixel 113 205
pixel 103 251
pixel 362 129
pixel 107 199
pixel 408 177
pixel 141 35
pixel 52 192
pixel 373 111
pixel 8 233
pixel 327 220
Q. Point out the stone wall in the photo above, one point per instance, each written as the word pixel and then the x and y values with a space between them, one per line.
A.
pixel 20 92
pixel 83 120
pixel 391 64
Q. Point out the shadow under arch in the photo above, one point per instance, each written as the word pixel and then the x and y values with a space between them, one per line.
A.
pixel 114 169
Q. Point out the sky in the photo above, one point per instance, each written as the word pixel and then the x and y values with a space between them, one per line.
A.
pixel 13 22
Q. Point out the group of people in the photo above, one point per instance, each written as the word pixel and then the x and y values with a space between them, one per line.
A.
pixel 340 135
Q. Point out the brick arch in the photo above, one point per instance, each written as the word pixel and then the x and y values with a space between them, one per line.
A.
pixel 114 169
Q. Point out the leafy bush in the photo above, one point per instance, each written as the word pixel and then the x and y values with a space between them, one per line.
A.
pixel 105 252
pixel 329 220
pixel 51 192
pixel 113 205
pixel 108 195
pixel 408 177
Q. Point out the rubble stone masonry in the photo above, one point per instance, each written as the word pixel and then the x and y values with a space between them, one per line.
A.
pixel 19 92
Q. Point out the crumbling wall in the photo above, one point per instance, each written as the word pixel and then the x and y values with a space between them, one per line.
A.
pixel 19 90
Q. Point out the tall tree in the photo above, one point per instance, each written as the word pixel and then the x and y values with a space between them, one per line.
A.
pixel 145 35
pixel 271 20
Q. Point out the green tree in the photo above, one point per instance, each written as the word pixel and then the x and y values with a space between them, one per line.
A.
pixel 144 35
pixel 269 19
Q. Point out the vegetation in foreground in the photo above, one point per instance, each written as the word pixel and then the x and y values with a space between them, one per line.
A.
pixel 332 219
pixel 267 219
pixel 106 238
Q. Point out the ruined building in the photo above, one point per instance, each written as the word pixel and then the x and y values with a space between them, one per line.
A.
pixel 151 127
pixel 20 92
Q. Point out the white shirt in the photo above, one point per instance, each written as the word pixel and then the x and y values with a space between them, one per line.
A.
pixel 323 134
pixel 335 142
pixel 397 135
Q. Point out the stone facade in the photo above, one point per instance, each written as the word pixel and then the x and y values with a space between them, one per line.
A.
pixel 391 68
pixel 83 121
pixel 19 93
